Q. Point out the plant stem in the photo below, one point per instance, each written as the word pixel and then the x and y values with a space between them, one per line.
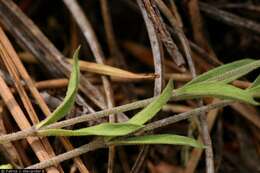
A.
pixel 32 131
pixel 99 143
pixel 96 144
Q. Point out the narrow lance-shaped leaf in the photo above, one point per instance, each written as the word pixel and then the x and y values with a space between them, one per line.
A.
pixel 104 129
pixel 228 72
pixel 118 129
pixel 112 71
pixel 213 89
pixel 158 139
pixel 153 108
pixel 70 97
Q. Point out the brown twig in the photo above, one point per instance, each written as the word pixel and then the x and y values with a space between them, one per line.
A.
pixel 229 18
pixel 9 150
pixel 31 38
pixel 198 27
pixel 23 123
pixel 91 38
pixel 9 63
pixel 162 31
pixel 158 59
pixel 99 143
pixel 21 69
pixel 179 34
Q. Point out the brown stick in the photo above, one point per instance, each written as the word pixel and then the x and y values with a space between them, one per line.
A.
pixel 91 38
pixel 28 35
pixel 23 123
pixel 19 66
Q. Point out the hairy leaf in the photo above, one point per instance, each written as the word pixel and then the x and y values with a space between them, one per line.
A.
pixel 70 97
pixel 228 72
pixel 104 129
pixel 158 139
pixel 153 108
pixel 213 89
pixel 118 129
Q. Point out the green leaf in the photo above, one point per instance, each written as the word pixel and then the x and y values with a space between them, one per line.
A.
pixel 158 139
pixel 6 166
pixel 70 97
pixel 118 129
pixel 219 90
pixel 104 129
pixel 228 72
pixel 153 108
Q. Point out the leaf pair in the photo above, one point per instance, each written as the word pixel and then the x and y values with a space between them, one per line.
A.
pixel 114 129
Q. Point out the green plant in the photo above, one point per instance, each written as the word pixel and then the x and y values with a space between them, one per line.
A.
pixel 214 83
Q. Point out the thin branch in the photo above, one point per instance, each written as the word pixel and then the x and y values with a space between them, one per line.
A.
pixel 179 34
pixel 229 18
pixel 72 121
pixel 96 144
pixel 23 123
pixel 29 37
pixel 158 59
pixel 185 44
pixel 16 62
pixel 156 49
pixel 99 143
pixel 160 27
pixel 186 115
pixel 91 38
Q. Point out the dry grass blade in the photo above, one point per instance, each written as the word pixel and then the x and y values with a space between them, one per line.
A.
pixel 163 33
pixel 229 18
pixel 197 153
pixel 178 33
pixel 9 150
pixel 129 49
pixel 112 71
pixel 158 57
pixel 23 123
pixel 102 69
pixel 91 38
pixel 249 112
pixel 144 55
pixel 21 69
pixel 6 58
pixel 52 83
pixel 201 40
pixel 32 39
pixel 99 143
pixel 158 60
pixel 197 27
